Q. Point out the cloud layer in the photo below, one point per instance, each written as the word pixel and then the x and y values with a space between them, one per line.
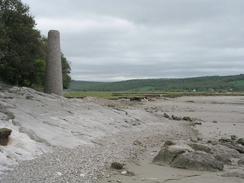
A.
pixel 113 40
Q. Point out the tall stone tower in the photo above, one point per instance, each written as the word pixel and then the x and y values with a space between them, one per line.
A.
pixel 54 78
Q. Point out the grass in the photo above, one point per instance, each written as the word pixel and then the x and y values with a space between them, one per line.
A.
pixel 105 95
pixel 128 95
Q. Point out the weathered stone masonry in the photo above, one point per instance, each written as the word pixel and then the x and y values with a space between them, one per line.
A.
pixel 54 78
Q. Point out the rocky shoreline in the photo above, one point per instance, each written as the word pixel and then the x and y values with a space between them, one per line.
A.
pixel 53 139
pixel 197 160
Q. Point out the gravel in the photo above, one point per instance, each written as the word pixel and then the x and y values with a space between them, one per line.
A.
pixel 87 163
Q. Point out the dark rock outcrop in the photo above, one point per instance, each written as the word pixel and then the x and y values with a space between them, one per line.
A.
pixel 187 118
pixel 167 116
pixel 200 147
pixel 4 136
pixel 238 174
pixel 241 162
pixel 117 166
pixel 224 154
pixel 176 118
pixel 241 141
pixel 168 153
pixel 197 161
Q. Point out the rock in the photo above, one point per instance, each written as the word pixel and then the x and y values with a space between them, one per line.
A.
pixel 235 146
pixel 213 142
pixel 215 121
pixel 233 137
pixel 187 118
pixel 59 174
pixel 138 99
pixel 137 143
pixel 241 141
pixel 166 116
pixel 199 139
pixel 197 161
pixel 194 139
pixel 4 135
pixel 176 118
pixel 29 97
pixel 117 166
pixel 169 143
pixel 127 173
pixel 224 140
pixel 124 172
pixel 196 123
pixel 5 132
pixel 169 153
pixel 4 110
pixel 200 147
pixel 224 154
pixel 238 174
pixel 241 162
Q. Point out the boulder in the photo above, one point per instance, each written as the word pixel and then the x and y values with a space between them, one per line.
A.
pixel 117 166
pixel 137 143
pixel 196 123
pixel 233 137
pixel 127 173
pixel 197 161
pixel 241 162
pixel 167 116
pixel 224 154
pixel 176 118
pixel 212 142
pixel 200 147
pixel 241 141
pixel 168 143
pixel 225 140
pixel 237 173
pixel 4 135
pixel 138 99
pixel 235 146
pixel 168 153
pixel 187 118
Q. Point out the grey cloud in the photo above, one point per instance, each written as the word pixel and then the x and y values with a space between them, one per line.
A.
pixel 119 39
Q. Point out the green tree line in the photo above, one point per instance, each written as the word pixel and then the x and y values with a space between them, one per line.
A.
pixel 23 50
pixel 199 84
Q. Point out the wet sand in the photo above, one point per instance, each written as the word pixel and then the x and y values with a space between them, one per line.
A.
pixel 219 117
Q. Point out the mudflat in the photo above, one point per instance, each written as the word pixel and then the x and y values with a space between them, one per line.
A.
pixel 215 118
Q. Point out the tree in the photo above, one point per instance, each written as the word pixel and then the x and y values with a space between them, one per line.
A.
pixel 41 66
pixel 20 43
pixel 41 71
pixel 66 72
pixel 23 51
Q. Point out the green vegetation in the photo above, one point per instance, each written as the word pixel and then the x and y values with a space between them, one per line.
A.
pixel 208 84
pixel 108 95
pixel 129 95
pixel 23 50
pixel 201 86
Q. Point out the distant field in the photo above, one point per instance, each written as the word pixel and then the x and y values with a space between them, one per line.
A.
pixel 127 95
pixel 205 86
pixel 210 84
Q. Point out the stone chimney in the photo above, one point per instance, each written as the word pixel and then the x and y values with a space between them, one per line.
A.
pixel 54 78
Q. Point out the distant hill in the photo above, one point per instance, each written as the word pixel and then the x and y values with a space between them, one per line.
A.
pixel 201 84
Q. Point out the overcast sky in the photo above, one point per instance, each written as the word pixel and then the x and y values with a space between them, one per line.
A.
pixel 110 40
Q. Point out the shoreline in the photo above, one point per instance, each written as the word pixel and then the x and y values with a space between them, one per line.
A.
pixel 103 131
